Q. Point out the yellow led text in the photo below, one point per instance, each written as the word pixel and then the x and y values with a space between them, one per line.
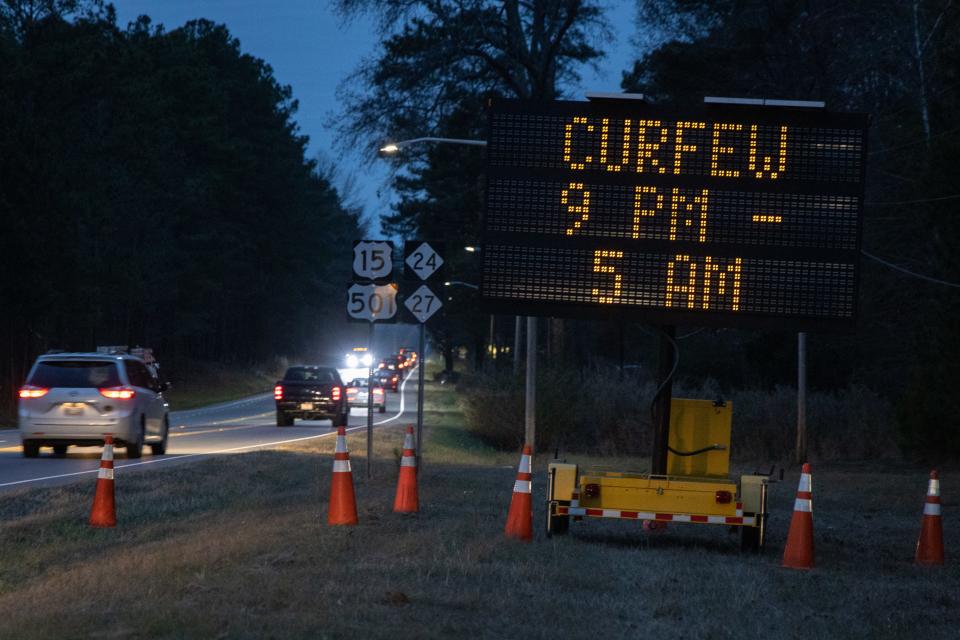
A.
pixel 691 211
pixel 582 209
pixel 720 149
pixel 697 291
pixel 765 166
pixel 599 267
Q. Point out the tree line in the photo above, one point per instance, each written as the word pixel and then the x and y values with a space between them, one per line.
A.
pixel 154 190
pixel 897 61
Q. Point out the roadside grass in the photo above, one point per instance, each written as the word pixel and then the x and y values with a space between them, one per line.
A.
pixel 207 383
pixel 237 547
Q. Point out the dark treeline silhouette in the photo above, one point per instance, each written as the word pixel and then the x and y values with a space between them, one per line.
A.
pixel 154 191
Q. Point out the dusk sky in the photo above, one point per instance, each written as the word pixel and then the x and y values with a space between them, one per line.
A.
pixel 313 50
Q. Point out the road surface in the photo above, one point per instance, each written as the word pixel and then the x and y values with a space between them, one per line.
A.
pixel 232 427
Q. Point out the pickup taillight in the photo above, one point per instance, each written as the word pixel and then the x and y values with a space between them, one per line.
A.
pixel 278 392
pixel 335 393
pixel 378 392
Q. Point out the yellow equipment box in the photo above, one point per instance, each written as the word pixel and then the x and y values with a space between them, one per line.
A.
pixel 700 432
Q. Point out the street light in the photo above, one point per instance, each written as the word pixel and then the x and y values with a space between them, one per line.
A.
pixel 458 283
pixel 393 148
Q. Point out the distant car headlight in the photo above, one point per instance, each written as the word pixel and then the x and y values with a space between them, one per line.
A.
pixel 367 359
pixel 352 361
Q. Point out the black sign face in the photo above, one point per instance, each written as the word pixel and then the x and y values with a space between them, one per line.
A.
pixel 732 215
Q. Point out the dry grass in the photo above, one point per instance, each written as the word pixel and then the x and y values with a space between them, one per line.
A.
pixel 237 547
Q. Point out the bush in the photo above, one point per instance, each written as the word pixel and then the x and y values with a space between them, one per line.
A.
pixel 595 411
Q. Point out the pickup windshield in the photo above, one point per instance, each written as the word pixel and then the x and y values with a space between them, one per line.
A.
pixel 311 374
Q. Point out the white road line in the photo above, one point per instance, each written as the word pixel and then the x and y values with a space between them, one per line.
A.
pixel 230 450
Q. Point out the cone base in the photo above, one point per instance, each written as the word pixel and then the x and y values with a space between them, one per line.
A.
pixel 520 518
pixel 343 502
pixel 407 500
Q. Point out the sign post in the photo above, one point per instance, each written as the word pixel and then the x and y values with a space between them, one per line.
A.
pixel 372 298
pixel 425 261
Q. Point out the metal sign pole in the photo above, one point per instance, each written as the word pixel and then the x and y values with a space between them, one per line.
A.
pixel 422 358
pixel 530 417
pixel 661 407
pixel 801 397
pixel 370 402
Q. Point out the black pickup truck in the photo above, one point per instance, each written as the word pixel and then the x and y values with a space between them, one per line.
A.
pixel 311 392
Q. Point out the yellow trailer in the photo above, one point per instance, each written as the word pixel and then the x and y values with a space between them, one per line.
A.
pixel 696 489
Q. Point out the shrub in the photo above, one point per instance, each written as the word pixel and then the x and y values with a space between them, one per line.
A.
pixel 595 411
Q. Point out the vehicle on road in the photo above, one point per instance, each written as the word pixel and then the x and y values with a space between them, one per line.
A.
pixel 79 398
pixel 358 357
pixel 311 392
pixel 357 395
pixel 387 379
pixel 409 357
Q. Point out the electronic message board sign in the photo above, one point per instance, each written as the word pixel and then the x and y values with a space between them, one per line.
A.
pixel 729 215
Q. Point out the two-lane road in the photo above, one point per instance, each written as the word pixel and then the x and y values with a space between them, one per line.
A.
pixel 231 427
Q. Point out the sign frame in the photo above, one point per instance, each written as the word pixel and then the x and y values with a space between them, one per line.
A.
pixel 848 256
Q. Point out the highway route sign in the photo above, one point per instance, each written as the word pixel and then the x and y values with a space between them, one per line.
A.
pixel 372 302
pixel 423 303
pixel 423 259
pixel 372 259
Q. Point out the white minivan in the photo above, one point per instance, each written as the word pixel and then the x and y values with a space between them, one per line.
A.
pixel 79 398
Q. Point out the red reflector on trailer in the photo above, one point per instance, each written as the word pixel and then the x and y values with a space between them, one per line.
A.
pixel 724 497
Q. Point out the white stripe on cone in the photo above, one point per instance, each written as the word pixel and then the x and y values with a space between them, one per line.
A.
pixel 105 474
pixel 524 464
pixel 408 461
pixel 521 486
pixel 931 509
pixel 806 484
pixel 107 452
pixel 341 444
pixel 933 489
pixel 341 466
pixel 803 504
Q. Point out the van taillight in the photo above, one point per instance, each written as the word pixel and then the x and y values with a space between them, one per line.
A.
pixel 335 393
pixel 278 393
pixel 30 391
pixel 118 393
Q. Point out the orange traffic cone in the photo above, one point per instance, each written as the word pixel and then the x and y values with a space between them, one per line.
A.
pixel 104 512
pixel 798 553
pixel 520 516
pixel 407 500
pixel 343 503
pixel 930 543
